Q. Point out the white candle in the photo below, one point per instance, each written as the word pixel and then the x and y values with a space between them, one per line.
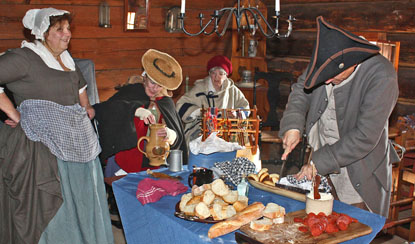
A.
pixel 183 6
pixel 277 5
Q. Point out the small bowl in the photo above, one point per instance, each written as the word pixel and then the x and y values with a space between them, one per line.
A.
pixel 324 204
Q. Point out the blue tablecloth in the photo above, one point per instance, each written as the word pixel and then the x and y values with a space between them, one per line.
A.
pixel 156 223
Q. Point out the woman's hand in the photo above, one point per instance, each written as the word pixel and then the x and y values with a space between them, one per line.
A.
pixel 11 123
pixel 290 140
pixel 90 111
pixel 162 132
pixel 13 120
pixel 145 115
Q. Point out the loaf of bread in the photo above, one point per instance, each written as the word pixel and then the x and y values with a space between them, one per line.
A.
pixel 252 212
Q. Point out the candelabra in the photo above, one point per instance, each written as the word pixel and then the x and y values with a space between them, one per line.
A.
pixel 240 12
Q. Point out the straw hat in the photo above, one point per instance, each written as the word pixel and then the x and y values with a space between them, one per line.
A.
pixel 162 68
pixel 335 51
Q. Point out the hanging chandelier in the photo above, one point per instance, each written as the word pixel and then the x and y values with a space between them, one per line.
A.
pixel 252 16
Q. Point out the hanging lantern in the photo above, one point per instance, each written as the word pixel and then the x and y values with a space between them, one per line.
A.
pixel 104 15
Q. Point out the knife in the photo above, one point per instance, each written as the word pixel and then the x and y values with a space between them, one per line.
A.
pixel 292 188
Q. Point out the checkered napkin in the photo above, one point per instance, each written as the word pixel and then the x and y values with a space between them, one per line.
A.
pixel 234 170
pixel 306 184
pixel 151 190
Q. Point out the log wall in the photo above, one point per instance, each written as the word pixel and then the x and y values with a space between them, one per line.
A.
pixel 393 20
pixel 117 53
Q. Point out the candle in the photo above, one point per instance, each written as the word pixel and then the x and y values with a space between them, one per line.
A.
pixel 277 5
pixel 183 6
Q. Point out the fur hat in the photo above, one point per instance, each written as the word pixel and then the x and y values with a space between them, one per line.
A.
pixel 220 61
pixel 162 69
pixel 335 51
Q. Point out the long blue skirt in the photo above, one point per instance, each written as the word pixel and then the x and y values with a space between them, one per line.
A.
pixel 83 217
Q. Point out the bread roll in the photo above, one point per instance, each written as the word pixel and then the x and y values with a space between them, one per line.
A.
pixel 240 205
pixel 274 177
pixel 252 212
pixel 264 176
pixel 202 211
pixel 273 210
pixel 199 190
pixel 220 201
pixel 244 199
pixel 253 177
pixel 261 172
pixel 231 197
pixel 279 220
pixel 269 182
pixel 183 201
pixel 261 224
pixel 208 197
pixel 216 211
pixel 228 212
pixel 219 187
pixel 189 210
pixel 195 200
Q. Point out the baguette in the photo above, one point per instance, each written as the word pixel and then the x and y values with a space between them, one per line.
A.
pixel 252 212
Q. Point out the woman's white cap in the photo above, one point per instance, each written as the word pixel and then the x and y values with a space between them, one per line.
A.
pixel 37 20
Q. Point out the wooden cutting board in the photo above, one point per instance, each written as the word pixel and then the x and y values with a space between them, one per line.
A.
pixel 288 232
pixel 277 190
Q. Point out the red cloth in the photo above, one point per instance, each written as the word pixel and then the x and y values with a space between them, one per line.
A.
pixel 151 190
pixel 132 160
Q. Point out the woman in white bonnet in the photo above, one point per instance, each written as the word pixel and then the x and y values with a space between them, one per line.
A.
pixel 51 183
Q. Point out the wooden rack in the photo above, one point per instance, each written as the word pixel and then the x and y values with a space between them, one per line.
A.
pixel 231 126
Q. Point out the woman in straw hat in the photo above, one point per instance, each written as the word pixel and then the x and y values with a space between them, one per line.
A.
pixel 51 181
pixel 124 118
pixel 215 90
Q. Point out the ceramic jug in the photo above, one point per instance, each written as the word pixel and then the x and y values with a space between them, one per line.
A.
pixel 157 149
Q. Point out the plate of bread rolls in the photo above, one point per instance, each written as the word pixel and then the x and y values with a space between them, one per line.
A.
pixel 269 182
pixel 210 203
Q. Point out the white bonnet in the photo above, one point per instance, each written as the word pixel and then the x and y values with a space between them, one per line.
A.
pixel 37 20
